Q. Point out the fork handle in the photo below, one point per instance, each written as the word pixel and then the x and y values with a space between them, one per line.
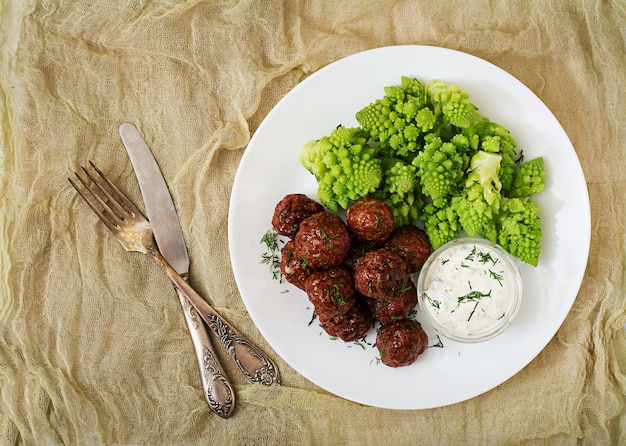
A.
pixel 217 389
pixel 255 365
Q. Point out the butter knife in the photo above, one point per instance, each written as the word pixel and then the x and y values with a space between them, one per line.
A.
pixel 161 212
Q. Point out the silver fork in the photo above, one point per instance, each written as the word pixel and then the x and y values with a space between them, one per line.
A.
pixel 134 232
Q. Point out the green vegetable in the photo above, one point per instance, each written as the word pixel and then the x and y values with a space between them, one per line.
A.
pixel 529 179
pixel 441 221
pixel 428 153
pixel 441 168
pixel 484 173
pixel 345 167
pixel 520 229
pixel 451 102
pixel 493 138
pixel 399 119
pixel 400 191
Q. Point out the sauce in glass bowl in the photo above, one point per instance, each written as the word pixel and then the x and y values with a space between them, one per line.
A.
pixel 469 289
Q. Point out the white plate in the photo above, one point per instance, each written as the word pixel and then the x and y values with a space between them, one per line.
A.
pixel 270 169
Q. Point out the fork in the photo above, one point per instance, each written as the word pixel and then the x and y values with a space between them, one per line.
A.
pixel 134 232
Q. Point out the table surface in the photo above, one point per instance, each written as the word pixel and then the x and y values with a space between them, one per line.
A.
pixel 93 344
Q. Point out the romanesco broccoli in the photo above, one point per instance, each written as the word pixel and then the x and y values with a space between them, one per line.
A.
pixel 484 171
pixel 503 147
pixel 488 136
pixel 345 167
pixel 400 191
pixel 529 179
pixel 428 153
pixel 520 229
pixel 399 118
pixel 399 177
pixel 451 102
pixel 480 200
pixel 440 168
pixel 441 221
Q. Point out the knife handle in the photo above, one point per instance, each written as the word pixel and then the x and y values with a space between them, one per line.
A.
pixel 255 365
pixel 217 389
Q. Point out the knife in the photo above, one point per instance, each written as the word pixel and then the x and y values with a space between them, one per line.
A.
pixel 168 234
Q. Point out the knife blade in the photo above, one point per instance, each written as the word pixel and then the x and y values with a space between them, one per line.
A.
pixel 168 235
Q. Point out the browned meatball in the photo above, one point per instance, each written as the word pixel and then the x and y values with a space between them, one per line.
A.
pixel 331 291
pixel 355 254
pixel 370 220
pixel 350 326
pixel 393 308
pixel 400 343
pixel 412 244
pixel 291 210
pixel 322 240
pixel 294 269
pixel 381 273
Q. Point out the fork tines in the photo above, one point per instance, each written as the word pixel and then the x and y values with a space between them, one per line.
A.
pixel 109 205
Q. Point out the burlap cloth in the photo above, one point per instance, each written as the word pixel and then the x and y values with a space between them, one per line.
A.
pixel 93 346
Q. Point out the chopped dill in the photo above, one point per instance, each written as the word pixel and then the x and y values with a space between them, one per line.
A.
pixel 375 361
pixel 270 257
pixel 472 296
pixel 313 317
pixel 496 276
pixel 433 302
pixel 439 343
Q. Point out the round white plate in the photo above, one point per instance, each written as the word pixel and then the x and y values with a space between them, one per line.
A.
pixel 270 169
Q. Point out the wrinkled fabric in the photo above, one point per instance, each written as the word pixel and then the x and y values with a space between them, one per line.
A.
pixel 93 345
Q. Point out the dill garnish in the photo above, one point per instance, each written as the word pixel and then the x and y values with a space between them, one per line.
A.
pixel 270 257
pixel 439 343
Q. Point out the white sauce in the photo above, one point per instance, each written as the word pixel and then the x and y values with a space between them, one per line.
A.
pixel 470 289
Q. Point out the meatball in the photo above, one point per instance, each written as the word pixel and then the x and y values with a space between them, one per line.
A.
pixel 322 240
pixel 390 309
pixel 370 220
pixel 350 326
pixel 412 244
pixel 331 291
pixel 400 343
pixel 294 269
pixel 355 254
pixel 291 210
pixel 380 273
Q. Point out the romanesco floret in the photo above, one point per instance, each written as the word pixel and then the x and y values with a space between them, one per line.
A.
pixel 398 119
pixel 461 142
pixel 400 191
pixel 475 214
pixel 441 221
pixel 399 177
pixel 529 179
pixel 485 171
pixel 388 126
pixel 480 200
pixel 503 147
pixel 520 229
pixel 488 136
pixel 440 168
pixel 405 208
pixel 425 119
pixel 451 102
pixel 414 88
pixel 345 167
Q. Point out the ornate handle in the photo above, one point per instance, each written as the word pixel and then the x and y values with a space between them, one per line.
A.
pixel 255 365
pixel 217 389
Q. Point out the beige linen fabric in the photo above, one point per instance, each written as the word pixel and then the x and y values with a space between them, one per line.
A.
pixel 93 346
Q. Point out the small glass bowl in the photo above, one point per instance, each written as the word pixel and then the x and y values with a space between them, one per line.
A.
pixel 466 294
